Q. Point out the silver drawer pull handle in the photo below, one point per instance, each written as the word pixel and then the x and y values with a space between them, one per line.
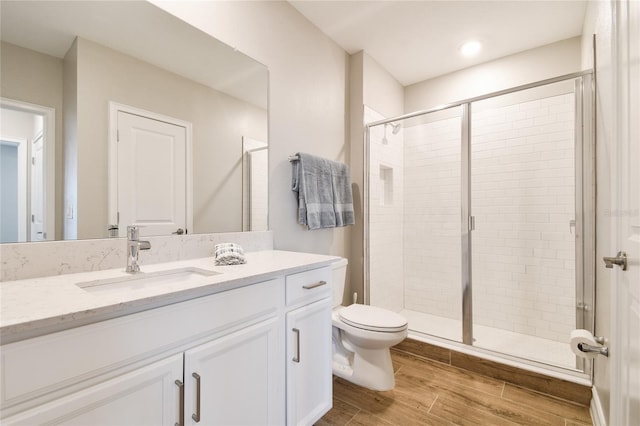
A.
pixel 310 286
pixel 196 416
pixel 297 357
pixel 181 387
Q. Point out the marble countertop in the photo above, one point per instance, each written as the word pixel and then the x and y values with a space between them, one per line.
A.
pixel 38 306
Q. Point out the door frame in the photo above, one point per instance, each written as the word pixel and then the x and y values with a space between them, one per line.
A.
pixel 31 224
pixel 625 23
pixel 112 157
pixel 49 172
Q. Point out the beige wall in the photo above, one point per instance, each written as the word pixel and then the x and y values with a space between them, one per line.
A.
pixel 307 100
pixel 373 86
pixel 356 141
pixel 533 65
pixel 36 78
pixel 219 123
pixel 382 92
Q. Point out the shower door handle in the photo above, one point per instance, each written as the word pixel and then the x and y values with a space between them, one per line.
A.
pixel 620 260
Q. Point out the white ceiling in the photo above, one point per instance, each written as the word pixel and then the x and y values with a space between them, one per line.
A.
pixel 418 40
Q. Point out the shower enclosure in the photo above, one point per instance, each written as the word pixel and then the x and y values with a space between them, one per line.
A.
pixel 480 221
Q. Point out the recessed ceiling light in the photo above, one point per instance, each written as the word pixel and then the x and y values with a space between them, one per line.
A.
pixel 470 48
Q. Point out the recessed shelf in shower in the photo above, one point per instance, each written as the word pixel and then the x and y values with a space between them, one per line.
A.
pixel 386 185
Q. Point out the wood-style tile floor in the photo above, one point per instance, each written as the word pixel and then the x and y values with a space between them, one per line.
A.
pixel 432 393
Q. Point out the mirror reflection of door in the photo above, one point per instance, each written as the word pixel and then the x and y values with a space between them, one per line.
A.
pixel 26 172
pixel 152 174
pixel 38 228
pixel 255 187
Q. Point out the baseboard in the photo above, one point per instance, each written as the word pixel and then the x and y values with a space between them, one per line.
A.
pixel 595 408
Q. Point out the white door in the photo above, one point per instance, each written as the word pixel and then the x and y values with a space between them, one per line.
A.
pixel 38 231
pixel 259 190
pixel 625 343
pixel 151 175
pixel 237 379
pixel 255 185
pixel 147 396
pixel 309 375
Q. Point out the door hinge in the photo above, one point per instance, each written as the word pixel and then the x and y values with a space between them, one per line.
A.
pixel 472 223
pixel 33 218
pixel 118 218
pixel 33 161
pixel 118 135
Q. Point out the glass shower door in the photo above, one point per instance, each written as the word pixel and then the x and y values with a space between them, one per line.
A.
pixel 523 201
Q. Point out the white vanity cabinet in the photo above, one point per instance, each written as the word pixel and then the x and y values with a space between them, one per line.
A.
pixel 139 369
pixel 257 353
pixel 146 396
pixel 236 379
pixel 308 325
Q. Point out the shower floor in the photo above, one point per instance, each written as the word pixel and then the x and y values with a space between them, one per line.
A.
pixel 497 340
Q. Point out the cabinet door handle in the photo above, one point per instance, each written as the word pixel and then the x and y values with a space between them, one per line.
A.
pixel 181 418
pixel 297 357
pixel 196 416
pixel 310 286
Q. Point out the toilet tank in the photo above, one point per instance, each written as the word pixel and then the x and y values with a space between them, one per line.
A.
pixel 338 280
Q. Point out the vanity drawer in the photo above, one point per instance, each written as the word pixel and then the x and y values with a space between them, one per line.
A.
pixel 41 369
pixel 308 286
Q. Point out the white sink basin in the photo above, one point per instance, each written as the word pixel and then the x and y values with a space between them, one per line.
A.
pixel 143 280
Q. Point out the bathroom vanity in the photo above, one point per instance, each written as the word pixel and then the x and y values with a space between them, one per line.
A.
pixel 184 343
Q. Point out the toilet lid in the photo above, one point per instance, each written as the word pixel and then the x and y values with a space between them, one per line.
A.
pixel 372 318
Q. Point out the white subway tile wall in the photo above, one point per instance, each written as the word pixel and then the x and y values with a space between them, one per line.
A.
pixel 432 158
pixel 523 199
pixel 386 216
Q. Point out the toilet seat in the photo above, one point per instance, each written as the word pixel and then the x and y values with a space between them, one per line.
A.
pixel 372 318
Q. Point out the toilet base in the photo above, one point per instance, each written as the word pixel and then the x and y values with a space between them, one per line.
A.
pixel 369 368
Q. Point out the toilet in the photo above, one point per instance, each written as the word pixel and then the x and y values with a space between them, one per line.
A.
pixel 362 336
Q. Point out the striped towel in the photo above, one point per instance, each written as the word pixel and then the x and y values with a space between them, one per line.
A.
pixel 229 254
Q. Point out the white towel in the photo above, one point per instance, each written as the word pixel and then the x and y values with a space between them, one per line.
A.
pixel 229 254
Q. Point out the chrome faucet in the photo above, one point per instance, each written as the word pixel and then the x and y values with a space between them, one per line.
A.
pixel 133 246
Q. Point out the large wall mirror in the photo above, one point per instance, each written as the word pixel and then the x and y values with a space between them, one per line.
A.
pixel 118 113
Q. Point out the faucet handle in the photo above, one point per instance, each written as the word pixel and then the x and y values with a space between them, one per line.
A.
pixel 132 232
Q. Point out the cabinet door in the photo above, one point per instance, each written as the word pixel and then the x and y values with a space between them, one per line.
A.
pixel 309 363
pixel 237 379
pixel 147 396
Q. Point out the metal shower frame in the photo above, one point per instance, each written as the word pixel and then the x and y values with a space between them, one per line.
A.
pixel 584 197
